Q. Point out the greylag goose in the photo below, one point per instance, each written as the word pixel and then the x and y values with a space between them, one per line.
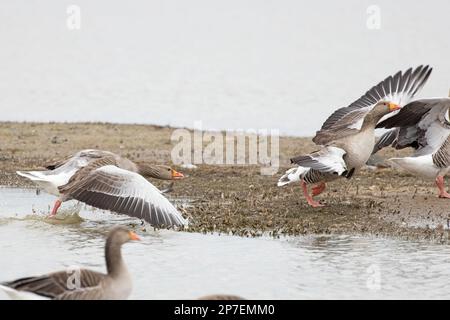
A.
pixel 425 126
pixel 108 181
pixel 90 285
pixel 347 137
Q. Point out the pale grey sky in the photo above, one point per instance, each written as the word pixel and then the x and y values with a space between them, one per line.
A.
pixel 231 64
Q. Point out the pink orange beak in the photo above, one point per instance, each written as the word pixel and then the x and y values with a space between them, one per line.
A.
pixel 177 175
pixel 134 236
pixel 393 106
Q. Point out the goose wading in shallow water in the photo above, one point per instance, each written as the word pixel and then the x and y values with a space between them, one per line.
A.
pixel 116 284
pixel 92 285
pixel 425 126
pixel 107 181
pixel 347 137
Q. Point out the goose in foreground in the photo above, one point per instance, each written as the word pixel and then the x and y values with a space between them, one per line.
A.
pixel 108 181
pixel 425 126
pixel 347 137
pixel 90 285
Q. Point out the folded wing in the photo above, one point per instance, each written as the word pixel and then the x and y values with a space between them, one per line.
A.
pixel 58 284
pixel 327 160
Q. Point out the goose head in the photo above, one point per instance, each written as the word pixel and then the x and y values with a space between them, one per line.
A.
pixel 381 109
pixel 121 235
pixel 158 171
pixel 384 107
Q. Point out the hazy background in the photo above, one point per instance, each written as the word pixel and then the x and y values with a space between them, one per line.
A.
pixel 232 64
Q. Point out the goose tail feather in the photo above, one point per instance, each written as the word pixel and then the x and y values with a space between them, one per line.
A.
pixel 292 175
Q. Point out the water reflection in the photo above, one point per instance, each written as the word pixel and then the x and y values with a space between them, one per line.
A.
pixel 170 265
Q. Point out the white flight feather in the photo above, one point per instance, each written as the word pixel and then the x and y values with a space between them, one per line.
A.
pixel 21 295
pixel 137 186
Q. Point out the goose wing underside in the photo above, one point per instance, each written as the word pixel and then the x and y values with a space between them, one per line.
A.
pixel 103 185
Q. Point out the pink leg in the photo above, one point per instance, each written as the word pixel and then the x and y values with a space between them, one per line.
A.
pixel 318 189
pixel 310 200
pixel 55 208
pixel 440 185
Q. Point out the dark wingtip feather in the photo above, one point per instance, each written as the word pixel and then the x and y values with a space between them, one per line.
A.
pixel 407 83
pixel 420 75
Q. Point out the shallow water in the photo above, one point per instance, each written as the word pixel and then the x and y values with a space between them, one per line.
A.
pixel 172 265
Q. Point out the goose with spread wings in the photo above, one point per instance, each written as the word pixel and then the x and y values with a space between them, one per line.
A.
pixel 423 125
pixel 108 181
pixel 347 137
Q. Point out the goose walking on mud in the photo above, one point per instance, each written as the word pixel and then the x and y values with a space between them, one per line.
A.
pixel 423 125
pixel 90 285
pixel 347 137
pixel 108 181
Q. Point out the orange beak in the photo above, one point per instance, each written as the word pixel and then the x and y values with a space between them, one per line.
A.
pixel 134 236
pixel 177 175
pixel 393 106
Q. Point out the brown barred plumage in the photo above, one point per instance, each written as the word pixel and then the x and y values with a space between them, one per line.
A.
pixel 315 176
pixel 441 158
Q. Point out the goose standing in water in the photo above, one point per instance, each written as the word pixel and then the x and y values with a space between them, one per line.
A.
pixel 91 285
pixel 347 137
pixel 425 126
pixel 107 181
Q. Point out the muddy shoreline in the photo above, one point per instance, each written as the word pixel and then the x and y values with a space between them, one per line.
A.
pixel 237 199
